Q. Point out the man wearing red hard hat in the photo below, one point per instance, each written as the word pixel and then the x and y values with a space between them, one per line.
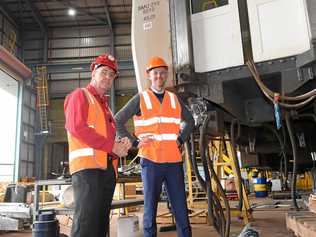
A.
pixel 93 149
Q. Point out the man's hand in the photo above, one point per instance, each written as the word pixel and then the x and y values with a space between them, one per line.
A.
pixel 145 141
pixel 121 147
pixel 126 142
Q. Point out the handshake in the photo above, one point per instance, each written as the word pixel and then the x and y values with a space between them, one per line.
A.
pixel 121 146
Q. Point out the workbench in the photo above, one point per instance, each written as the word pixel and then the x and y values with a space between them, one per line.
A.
pixel 68 211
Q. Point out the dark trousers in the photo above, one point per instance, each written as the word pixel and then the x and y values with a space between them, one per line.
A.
pixel 153 175
pixel 93 193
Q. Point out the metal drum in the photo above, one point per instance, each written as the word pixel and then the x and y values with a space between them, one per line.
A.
pixel 46 226
pixel 260 186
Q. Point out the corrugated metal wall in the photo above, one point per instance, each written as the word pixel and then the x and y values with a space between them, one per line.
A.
pixel 10 39
pixel 33 46
pixel 80 44
pixel 70 51
pixel 66 46
pixel 27 155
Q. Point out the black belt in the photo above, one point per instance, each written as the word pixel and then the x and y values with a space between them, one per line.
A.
pixel 110 159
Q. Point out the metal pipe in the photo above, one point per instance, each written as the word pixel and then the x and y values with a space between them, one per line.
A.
pixel 235 160
pixel 275 132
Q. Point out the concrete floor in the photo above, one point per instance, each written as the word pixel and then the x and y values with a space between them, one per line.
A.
pixel 268 222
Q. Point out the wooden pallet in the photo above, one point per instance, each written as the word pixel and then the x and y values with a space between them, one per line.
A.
pixel 302 223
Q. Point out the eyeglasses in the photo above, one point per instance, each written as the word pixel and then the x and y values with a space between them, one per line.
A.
pixel 161 73
pixel 107 73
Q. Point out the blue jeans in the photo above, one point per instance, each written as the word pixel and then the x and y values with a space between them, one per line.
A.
pixel 153 175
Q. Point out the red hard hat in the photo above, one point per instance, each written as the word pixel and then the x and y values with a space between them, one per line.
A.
pixel 106 60
pixel 156 62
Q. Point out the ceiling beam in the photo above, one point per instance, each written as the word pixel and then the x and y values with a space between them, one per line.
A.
pixel 112 51
pixel 107 14
pixel 37 16
pixel 76 67
pixel 8 14
pixel 40 20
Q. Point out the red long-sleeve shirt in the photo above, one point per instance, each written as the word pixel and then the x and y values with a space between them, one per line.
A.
pixel 76 111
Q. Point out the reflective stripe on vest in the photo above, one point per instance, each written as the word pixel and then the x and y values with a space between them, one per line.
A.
pixel 147 100
pixel 160 137
pixel 80 152
pixel 172 100
pixel 161 122
pixel 154 120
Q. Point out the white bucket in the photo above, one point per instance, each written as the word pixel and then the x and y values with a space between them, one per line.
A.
pixel 128 226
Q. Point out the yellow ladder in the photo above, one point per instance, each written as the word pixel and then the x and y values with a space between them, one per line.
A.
pixel 11 42
pixel 195 193
pixel 221 153
pixel 42 97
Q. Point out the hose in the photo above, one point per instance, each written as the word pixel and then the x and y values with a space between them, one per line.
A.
pixel 223 225
pixel 223 195
pixel 216 213
pixel 212 199
pixel 286 173
pixel 208 190
pixel 193 162
pixel 270 94
pixel 283 158
pixel 294 150
pixel 235 160
pixel 251 64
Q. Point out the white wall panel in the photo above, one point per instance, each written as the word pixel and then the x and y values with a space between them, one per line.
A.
pixel 279 28
pixel 217 40
pixel 311 8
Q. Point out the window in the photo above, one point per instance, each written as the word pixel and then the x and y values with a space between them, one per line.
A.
pixel 204 5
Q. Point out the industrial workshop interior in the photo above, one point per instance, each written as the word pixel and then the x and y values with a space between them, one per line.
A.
pixel 134 118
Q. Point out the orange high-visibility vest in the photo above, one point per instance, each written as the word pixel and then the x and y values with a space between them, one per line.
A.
pixel 81 156
pixel 162 122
